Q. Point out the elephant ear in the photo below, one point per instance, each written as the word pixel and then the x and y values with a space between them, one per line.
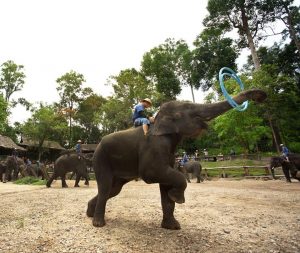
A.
pixel 165 124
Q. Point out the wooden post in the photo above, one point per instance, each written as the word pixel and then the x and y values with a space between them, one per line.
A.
pixel 246 169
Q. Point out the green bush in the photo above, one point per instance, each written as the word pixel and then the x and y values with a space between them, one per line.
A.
pixel 30 180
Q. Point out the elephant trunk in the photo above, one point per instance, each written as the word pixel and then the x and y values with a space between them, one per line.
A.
pixel 211 111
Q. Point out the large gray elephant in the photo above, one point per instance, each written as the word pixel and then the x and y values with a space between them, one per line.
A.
pixel 192 167
pixel 289 168
pixel 123 156
pixel 67 163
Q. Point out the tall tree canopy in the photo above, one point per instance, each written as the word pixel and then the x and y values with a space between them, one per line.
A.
pixel 247 16
pixel 212 52
pixel 168 67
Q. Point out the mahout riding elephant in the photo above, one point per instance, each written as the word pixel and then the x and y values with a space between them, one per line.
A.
pixel 289 168
pixel 193 167
pixel 125 155
pixel 67 163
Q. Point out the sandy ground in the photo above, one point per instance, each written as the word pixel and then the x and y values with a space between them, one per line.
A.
pixel 218 216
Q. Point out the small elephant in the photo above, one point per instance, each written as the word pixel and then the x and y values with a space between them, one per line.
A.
pixel 3 171
pixel 67 163
pixel 289 168
pixel 193 167
pixel 125 155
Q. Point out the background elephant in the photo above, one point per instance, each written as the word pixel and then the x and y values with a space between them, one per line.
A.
pixel 3 171
pixel 14 166
pixel 123 156
pixel 289 169
pixel 67 163
pixel 193 167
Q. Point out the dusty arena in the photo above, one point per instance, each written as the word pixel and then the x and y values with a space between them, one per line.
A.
pixel 218 216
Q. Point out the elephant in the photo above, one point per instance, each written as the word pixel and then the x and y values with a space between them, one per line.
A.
pixel 193 167
pixel 125 155
pixel 14 166
pixel 3 171
pixel 291 168
pixel 67 163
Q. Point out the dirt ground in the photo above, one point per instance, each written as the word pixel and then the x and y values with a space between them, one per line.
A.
pixel 218 216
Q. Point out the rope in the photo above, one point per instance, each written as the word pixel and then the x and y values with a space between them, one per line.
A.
pixel 229 72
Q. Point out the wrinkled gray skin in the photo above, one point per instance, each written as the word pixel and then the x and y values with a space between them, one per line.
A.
pixel 67 163
pixel 123 156
pixel 289 168
pixel 193 167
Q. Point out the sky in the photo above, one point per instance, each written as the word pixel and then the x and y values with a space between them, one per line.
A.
pixel 92 37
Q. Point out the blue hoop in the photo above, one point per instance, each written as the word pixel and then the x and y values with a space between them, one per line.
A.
pixel 232 74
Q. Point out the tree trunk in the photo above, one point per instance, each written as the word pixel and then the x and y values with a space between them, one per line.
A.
pixel 292 31
pixel 275 134
pixel 192 93
pixel 250 40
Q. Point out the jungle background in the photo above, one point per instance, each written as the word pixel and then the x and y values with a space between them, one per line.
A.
pixel 230 27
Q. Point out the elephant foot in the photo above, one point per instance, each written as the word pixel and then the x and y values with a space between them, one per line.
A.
pixel 48 185
pixel 76 185
pixel 65 186
pixel 170 223
pixel 86 183
pixel 98 222
pixel 176 195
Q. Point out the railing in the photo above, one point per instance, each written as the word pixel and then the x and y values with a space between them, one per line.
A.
pixel 222 170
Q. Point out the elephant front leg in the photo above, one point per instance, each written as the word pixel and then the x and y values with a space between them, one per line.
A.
pixel 168 206
pixel 78 176
pixel 63 182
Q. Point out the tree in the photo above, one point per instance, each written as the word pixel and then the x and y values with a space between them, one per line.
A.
pixel 168 67
pixel 283 107
pixel 3 113
pixel 11 78
pixel 88 116
pixel 247 16
pixel 212 52
pixel 284 11
pixel 243 128
pixel 45 124
pixel 71 93
pixel 130 86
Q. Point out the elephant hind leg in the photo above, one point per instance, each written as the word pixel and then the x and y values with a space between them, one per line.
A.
pixel 78 176
pixel 115 187
pixel 63 181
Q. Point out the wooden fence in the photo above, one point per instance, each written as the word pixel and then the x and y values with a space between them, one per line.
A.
pixel 222 170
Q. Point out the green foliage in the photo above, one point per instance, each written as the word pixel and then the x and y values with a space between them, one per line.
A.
pixel 45 124
pixel 169 67
pixel 11 78
pixel 3 113
pixel 88 116
pixel 213 51
pixel 130 86
pixel 30 180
